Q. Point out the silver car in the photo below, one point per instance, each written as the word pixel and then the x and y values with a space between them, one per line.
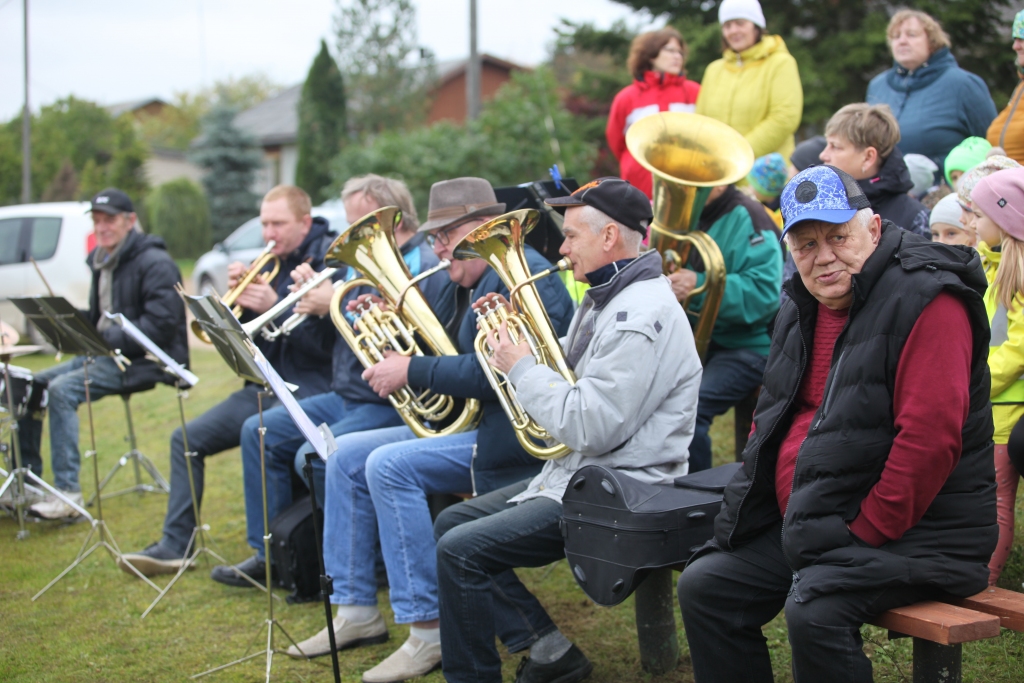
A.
pixel 210 275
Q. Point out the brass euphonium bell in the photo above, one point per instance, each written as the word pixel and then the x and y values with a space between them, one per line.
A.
pixel 688 155
pixel 500 243
pixel 369 246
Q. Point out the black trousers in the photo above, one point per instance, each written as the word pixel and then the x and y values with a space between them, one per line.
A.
pixel 727 597
pixel 216 430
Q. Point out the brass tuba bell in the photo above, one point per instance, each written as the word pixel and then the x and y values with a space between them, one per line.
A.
pixel 368 245
pixel 688 155
pixel 500 242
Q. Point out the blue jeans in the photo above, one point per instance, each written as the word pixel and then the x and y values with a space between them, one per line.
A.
pixel 281 441
pixel 66 393
pixel 730 375
pixel 479 544
pixel 377 485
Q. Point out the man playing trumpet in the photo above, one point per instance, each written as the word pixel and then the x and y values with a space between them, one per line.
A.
pixel 378 481
pixel 299 358
pixel 632 407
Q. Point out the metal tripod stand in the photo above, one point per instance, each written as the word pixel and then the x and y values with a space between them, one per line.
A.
pixel 104 539
pixel 139 462
pixel 197 542
pixel 271 622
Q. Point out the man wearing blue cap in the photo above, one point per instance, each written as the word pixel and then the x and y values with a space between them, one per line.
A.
pixel 868 481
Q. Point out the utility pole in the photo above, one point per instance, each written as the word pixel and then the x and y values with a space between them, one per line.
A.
pixel 472 69
pixel 26 125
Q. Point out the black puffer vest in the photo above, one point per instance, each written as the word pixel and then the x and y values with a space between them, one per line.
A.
pixel 852 432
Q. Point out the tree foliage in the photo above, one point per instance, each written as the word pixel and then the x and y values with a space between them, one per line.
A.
pixel 386 72
pixel 100 150
pixel 322 124
pixel 841 45
pixel 178 212
pixel 509 144
pixel 231 159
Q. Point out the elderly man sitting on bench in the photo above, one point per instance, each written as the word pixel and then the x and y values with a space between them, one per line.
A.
pixel 868 481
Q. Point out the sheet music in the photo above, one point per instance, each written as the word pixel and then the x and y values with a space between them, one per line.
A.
pixel 151 348
pixel 317 438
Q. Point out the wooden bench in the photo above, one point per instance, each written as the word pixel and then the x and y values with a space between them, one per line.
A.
pixel 940 628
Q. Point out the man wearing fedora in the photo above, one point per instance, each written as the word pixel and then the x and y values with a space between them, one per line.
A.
pixel 378 481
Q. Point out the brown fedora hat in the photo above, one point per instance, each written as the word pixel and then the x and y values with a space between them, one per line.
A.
pixel 455 201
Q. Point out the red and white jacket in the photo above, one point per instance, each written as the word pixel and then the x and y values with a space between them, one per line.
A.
pixel 655 93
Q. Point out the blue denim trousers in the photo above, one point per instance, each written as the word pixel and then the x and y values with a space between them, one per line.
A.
pixel 66 393
pixel 377 486
pixel 480 542
pixel 730 375
pixel 283 439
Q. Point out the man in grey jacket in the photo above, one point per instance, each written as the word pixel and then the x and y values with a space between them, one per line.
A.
pixel 633 407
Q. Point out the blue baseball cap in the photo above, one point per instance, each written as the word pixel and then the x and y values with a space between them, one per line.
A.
pixel 821 193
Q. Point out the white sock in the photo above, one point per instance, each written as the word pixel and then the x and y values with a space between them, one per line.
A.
pixel 550 648
pixel 427 635
pixel 357 614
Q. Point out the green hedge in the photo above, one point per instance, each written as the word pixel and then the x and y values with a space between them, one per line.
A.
pixel 179 213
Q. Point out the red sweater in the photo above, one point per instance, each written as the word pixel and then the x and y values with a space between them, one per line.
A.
pixel 930 403
pixel 657 92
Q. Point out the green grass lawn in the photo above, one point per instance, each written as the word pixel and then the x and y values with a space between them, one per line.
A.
pixel 88 627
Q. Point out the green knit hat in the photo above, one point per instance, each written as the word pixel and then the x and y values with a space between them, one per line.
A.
pixel 966 156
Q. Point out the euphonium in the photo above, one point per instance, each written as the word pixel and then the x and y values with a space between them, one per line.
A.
pixel 259 263
pixel 368 246
pixel 688 155
pixel 500 242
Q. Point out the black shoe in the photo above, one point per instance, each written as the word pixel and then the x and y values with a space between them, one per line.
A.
pixel 254 568
pixel 571 667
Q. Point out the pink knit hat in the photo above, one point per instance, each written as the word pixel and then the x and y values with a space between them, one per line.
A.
pixel 1001 197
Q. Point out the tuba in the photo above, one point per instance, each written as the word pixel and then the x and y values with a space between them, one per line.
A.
pixel 687 155
pixel 368 245
pixel 255 268
pixel 500 243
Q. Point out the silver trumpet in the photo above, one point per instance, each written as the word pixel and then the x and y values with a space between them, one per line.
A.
pixel 265 323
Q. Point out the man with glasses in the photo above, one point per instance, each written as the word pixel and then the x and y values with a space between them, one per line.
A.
pixel 378 481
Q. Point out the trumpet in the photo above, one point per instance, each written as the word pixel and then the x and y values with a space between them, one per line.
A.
pixel 265 323
pixel 500 242
pixel 369 246
pixel 255 269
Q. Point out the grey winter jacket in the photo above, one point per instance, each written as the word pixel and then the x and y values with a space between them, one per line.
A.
pixel 634 403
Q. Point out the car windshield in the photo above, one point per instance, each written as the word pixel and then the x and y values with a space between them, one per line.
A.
pixel 249 236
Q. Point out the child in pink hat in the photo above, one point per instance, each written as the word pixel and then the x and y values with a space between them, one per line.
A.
pixel 997 203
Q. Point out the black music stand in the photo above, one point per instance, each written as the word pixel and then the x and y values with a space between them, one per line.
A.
pixel 246 360
pixel 70 331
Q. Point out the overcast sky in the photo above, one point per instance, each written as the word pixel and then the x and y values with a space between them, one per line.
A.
pixel 116 50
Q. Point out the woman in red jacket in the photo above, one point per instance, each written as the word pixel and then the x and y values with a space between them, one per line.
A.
pixel 656 60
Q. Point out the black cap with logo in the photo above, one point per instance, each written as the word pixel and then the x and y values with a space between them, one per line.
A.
pixel 112 201
pixel 613 197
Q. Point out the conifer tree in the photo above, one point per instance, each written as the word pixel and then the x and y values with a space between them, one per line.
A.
pixel 231 158
pixel 322 124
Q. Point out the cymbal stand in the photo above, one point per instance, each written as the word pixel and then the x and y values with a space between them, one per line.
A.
pixel 15 479
pixel 197 543
pixel 104 539
pixel 270 622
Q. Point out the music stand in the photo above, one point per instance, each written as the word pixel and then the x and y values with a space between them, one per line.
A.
pixel 69 331
pixel 246 360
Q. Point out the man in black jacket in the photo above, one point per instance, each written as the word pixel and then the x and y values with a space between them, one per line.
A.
pixel 300 358
pixel 132 274
pixel 868 482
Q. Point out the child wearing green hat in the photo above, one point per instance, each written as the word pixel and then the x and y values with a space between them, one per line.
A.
pixel 964 157
pixel 766 180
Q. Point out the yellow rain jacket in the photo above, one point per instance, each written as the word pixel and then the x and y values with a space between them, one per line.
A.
pixel 1005 355
pixel 757 92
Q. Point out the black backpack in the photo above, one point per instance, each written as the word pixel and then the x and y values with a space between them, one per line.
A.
pixel 293 551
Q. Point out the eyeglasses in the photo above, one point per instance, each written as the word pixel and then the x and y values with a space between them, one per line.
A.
pixel 443 236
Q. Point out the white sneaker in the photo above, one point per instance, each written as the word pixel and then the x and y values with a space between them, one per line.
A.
pixel 53 507
pixel 7 500
pixel 414 658
pixel 346 634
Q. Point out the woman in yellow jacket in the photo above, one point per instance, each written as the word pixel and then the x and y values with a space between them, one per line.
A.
pixel 1000 224
pixel 755 87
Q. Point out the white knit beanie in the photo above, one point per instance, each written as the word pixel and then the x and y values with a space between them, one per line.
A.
pixel 741 9
pixel 947 211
